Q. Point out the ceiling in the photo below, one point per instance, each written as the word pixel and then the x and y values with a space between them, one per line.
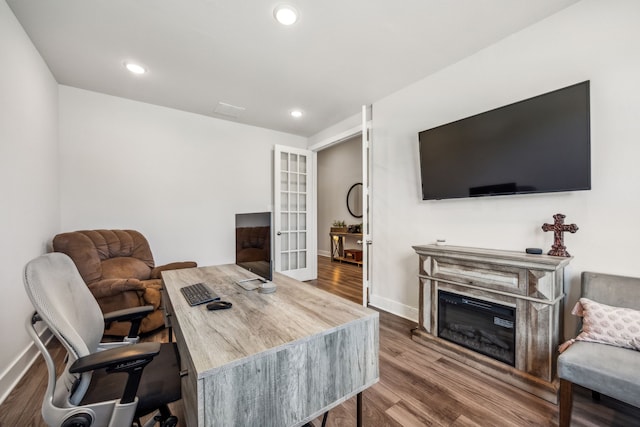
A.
pixel 340 54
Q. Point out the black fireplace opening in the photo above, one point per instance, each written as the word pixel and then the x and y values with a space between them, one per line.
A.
pixel 482 326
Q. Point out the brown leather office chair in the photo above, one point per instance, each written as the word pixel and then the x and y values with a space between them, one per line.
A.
pixel 118 268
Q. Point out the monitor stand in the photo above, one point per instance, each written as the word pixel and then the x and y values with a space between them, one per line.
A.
pixel 267 287
pixel 251 284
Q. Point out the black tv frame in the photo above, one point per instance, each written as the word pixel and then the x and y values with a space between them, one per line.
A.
pixel 538 145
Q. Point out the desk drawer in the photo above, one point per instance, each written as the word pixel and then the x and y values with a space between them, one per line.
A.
pixel 167 308
pixel 189 381
pixel 189 388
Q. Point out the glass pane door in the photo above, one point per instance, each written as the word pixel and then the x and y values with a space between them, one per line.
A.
pixel 294 254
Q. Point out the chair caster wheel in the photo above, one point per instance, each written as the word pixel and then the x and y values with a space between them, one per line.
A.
pixel 78 420
pixel 171 421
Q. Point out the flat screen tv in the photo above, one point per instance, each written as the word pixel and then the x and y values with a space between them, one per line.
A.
pixel 254 243
pixel 539 145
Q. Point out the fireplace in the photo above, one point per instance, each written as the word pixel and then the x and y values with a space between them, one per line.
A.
pixel 482 326
pixel 496 311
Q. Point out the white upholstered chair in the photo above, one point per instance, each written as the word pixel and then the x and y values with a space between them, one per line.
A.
pixel 606 369
pixel 99 386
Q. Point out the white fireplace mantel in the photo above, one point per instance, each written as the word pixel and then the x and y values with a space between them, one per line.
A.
pixel 533 284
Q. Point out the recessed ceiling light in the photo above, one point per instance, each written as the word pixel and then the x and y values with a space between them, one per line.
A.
pixel 135 68
pixel 296 114
pixel 285 14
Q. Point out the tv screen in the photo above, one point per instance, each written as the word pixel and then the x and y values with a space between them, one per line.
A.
pixel 538 145
pixel 253 243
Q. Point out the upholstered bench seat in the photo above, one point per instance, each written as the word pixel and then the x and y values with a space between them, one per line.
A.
pixel 613 371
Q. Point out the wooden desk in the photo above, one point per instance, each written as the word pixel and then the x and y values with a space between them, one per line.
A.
pixel 278 359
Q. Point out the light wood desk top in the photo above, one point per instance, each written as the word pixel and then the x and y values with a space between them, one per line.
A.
pixel 272 359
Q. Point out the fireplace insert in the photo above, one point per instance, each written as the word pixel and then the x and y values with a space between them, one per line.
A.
pixel 485 327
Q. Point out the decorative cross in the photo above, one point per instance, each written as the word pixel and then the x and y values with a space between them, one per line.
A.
pixel 559 227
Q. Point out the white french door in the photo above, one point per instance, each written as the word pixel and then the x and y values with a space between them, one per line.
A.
pixel 295 244
pixel 366 202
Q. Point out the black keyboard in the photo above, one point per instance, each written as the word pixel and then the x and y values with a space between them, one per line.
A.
pixel 198 294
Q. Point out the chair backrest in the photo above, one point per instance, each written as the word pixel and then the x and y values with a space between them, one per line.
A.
pixel 66 305
pixel 617 291
pixel 102 254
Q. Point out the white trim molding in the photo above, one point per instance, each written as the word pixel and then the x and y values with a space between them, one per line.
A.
pixel 394 307
pixel 14 373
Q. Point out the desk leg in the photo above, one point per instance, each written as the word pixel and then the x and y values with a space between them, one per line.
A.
pixel 359 409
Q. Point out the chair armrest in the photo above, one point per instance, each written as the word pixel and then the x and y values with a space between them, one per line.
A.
pixel 156 272
pixel 112 287
pixel 128 359
pixel 133 315
pixel 120 359
pixel 128 314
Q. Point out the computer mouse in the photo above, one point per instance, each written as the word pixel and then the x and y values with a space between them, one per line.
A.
pixel 218 305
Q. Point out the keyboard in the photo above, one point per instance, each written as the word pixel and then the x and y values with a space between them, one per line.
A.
pixel 198 293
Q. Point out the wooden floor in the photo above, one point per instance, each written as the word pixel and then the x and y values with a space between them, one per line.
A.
pixel 340 278
pixel 418 386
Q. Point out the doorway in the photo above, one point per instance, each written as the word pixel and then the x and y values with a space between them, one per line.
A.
pixel 339 169
pixel 362 132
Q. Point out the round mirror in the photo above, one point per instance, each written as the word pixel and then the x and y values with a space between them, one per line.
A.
pixel 354 200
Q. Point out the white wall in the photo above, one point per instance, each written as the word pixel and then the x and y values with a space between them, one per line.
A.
pixel 339 167
pixel 592 40
pixel 177 177
pixel 28 184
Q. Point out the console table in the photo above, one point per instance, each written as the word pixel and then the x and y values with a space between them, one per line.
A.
pixel 338 242
pixel 278 359
pixel 532 284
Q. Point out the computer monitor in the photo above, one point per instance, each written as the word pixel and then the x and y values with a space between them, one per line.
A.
pixel 254 243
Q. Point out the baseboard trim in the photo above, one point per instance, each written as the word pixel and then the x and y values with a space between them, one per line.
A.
pixel 324 253
pixel 394 307
pixel 12 375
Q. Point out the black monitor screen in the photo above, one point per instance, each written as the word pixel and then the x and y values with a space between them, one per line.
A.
pixel 538 145
pixel 253 243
